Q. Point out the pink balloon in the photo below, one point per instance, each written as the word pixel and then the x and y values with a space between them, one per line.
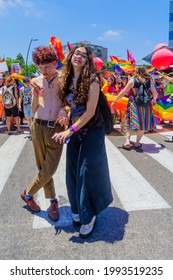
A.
pixel 98 63
pixel 162 59
pixel 158 46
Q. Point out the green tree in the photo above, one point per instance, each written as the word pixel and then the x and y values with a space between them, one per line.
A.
pixel 9 61
pixel 19 59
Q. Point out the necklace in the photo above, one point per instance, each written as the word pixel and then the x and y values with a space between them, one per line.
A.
pixel 50 85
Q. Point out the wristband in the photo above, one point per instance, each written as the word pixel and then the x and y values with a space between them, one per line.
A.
pixel 36 92
pixel 74 128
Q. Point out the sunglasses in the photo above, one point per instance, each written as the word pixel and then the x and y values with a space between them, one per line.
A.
pixel 82 54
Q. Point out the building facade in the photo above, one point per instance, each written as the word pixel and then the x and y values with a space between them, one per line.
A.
pixel 171 23
pixel 98 51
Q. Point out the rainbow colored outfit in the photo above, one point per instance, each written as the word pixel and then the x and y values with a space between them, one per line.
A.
pixel 137 117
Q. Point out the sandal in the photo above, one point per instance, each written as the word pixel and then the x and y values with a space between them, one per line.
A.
pixel 126 146
pixel 139 146
pixel 8 132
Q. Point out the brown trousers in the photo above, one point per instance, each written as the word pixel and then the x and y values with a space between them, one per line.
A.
pixel 47 155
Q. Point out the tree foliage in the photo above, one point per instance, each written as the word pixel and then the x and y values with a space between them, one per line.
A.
pixel 32 68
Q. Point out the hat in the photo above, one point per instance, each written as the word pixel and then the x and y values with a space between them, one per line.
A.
pixel 156 77
pixel 25 79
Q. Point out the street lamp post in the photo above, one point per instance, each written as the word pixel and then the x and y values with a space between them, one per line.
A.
pixel 32 40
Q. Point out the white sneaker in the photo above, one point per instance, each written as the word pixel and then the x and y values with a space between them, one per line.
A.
pixel 76 219
pixel 85 230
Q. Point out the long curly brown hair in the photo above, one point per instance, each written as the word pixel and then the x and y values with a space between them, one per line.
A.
pixel 84 80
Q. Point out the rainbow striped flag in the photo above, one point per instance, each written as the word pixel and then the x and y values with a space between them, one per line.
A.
pixel 122 65
pixel 57 45
pixel 151 70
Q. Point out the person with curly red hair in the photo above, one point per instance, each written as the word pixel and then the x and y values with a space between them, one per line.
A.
pixel 49 118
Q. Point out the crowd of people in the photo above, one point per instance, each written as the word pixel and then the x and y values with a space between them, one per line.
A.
pixel 61 106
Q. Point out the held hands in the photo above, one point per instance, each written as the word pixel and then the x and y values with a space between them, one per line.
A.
pixel 62 136
pixel 62 118
pixel 63 121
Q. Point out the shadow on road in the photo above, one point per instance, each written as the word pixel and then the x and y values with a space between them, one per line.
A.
pixel 110 226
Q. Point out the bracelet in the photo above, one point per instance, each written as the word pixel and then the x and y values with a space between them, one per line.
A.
pixel 36 92
pixel 74 128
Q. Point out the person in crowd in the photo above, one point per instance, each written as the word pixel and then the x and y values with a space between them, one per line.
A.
pixel 160 85
pixel 111 88
pixel 88 192
pixel 25 99
pixel 21 112
pixel 138 118
pixel 49 117
pixel 2 83
pixel 111 80
pixel 10 103
pixel 121 85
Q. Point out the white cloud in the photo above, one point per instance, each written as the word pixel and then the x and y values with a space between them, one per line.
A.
pixel 111 35
pixel 94 25
pixel 27 6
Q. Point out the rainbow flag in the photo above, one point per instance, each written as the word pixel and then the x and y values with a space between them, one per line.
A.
pixel 163 110
pixel 57 45
pixel 19 78
pixel 151 70
pixel 122 65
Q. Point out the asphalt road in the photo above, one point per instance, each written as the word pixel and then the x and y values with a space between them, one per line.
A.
pixel 138 225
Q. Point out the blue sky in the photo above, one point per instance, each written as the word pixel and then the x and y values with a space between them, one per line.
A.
pixel 118 25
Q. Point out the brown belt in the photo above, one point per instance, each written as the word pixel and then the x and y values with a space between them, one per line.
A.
pixel 49 123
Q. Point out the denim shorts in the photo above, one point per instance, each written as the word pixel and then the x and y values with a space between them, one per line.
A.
pixel 28 111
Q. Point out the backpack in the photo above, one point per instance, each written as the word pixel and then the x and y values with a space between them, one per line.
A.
pixel 8 98
pixel 143 96
pixel 105 112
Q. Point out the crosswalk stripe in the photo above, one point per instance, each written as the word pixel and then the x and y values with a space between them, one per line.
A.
pixel 41 219
pixel 157 151
pixel 9 154
pixel 134 192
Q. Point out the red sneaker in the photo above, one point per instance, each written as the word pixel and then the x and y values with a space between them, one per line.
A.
pixel 53 211
pixel 32 205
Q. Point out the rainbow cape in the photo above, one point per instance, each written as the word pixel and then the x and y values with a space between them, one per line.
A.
pixel 57 45
pixel 162 110
pixel 119 105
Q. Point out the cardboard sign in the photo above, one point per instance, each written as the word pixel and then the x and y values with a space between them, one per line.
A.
pixel 3 67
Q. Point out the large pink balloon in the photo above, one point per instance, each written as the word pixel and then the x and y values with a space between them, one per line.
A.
pixel 158 46
pixel 162 59
pixel 98 63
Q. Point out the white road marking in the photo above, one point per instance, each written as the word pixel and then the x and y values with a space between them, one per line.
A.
pixel 41 219
pixel 9 154
pixel 157 151
pixel 134 192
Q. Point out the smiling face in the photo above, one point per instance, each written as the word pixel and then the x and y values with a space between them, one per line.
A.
pixel 79 57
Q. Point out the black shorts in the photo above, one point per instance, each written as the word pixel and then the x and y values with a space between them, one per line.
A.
pixel 12 111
